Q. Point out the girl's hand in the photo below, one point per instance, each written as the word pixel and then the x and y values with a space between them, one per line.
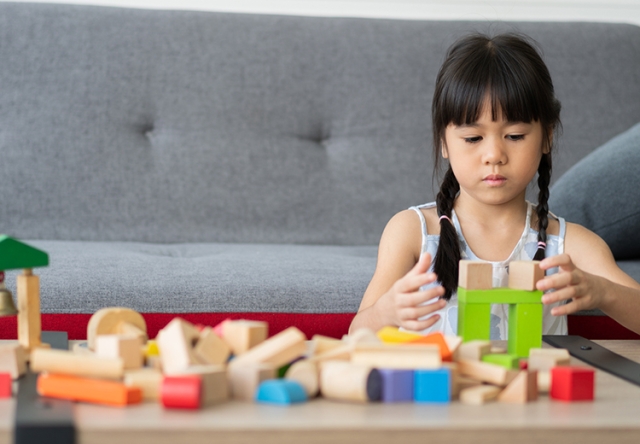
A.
pixel 405 304
pixel 586 291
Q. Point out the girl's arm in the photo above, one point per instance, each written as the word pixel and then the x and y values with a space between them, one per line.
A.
pixel 590 277
pixel 393 296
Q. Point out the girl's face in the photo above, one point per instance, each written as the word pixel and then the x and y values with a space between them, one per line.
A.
pixel 494 161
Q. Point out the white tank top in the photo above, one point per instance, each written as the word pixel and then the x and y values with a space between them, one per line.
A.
pixel 524 250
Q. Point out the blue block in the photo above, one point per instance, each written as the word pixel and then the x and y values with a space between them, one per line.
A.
pixel 280 392
pixel 397 385
pixel 432 385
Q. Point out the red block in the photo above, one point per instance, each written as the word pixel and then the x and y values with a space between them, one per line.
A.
pixel 181 392
pixel 572 383
pixel 5 385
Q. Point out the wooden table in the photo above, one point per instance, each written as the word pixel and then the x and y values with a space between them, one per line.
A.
pixel 613 418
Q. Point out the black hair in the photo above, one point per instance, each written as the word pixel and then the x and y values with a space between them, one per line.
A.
pixel 510 71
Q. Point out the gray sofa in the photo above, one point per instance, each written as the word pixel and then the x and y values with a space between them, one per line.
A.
pixel 211 164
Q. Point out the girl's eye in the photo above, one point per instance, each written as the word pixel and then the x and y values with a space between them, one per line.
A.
pixel 515 137
pixel 473 139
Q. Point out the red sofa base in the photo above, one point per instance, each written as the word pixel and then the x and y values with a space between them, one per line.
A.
pixel 330 324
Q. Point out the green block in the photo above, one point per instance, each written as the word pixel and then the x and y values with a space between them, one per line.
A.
pixel 283 370
pixel 525 328
pixel 15 255
pixel 510 362
pixel 499 296
pixel 474 321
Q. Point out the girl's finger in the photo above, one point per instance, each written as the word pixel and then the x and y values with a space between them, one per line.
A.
pixel 409 284
pixel 421 325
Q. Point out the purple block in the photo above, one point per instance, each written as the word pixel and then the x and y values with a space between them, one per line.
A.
pixel 397 385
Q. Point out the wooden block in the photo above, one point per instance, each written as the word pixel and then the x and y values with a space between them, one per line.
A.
pixel 29 323
pixel 114 320
pixel 321 344
pixel 306 373
pixel 214 385
pixel 523 389
pixel 67 362
pixel 475 275
pixel 6 385
pixel 454 343
pixel 181 392
pixel 82 348
pixel 13 360
pixel 361 336
pixel 345 381
pixel 397 385
pixel 544 381
pixel 510 362
pixel 278 350
pixel 242 335
pixel 245 379
pixel 523 275
pixel 126 347
pixel 480 394
pixel 433 386
pixel 280 392
pixel 438 339
pixel 176 342
pixel 460 383
pixel 493 374
pixel 211 348
pixel 572 383
pixel 341 353
pixel 544 359
pixel 474 350
pixel 403 356
pixel 148 380
pixel 91 390
pixel 393 335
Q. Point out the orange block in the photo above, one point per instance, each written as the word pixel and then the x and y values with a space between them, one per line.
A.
pixel 437 339
pixel 76 388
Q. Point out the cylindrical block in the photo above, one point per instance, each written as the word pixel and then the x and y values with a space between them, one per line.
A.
pixel 305 372
pixel 350 382
pixel 181 392
pixel 67 362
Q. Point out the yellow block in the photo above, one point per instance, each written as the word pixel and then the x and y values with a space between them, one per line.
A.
pixel 392 335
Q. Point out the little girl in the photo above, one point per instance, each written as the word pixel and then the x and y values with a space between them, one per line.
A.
pixel 495 116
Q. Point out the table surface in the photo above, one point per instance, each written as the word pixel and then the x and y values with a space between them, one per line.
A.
pixel 613 417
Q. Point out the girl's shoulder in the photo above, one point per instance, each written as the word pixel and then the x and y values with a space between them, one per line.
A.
pixel 430 217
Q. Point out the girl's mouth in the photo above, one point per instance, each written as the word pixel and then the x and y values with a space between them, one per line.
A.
pixel 494 180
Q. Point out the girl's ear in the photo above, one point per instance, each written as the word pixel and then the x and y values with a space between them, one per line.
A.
pixel 443 150
pixel 548 143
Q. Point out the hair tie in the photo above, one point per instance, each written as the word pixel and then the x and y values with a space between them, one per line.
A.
pixel 444 216
pixel 542 245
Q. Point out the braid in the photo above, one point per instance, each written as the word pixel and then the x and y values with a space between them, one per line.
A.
pixel 542 210
pixel 448 255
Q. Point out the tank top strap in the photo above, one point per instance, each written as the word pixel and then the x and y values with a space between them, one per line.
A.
pixel 423 221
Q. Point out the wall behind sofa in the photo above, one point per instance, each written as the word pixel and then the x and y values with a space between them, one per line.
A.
pixel 627 11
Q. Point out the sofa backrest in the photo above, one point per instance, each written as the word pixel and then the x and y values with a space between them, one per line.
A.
pixel 168 126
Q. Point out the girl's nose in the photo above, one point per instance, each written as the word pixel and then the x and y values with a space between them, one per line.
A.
pixel 494 153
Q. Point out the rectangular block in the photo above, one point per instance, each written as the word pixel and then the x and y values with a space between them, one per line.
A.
pixel 510 362
pixel 493 374
pixel 524 275
pixel 474 350
pixel 572 383
pixel 242 335
pixel 91 390
pixel 525 328
pixel 474 321
pixel 475 275
pixel 393 335
pixel 278 350
pixel 6 385
pixel 479 395
pixel 13 360
pixel 127 347
pixel 499 296
pixel 404 356
pixel 544 359
pixel 397 385
pixel 438 339
pixel 432 385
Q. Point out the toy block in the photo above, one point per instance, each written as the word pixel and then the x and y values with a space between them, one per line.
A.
pixel 97 391
pixel 523 389
pixel 29 323
pixel 572 384
pixel 13 360
pixel 525 328
pixel 211 348
pixel 6 385
pixel 148 380
pixel 403 356
pixel 433 386
pixel 547 358
pixel 361 336
pixel 175 342
pixel 393 335
pixel 460 383
pixel 67 362
pixel 214 383
pixel 438 339
pixel 245 379
pixel 280 392
pixel 479 395
pixel 474 350
pixel 181 392
pixel 475 275
pixel 453 343
pixel 474 321
pixel 321 344
pixel 115 320
pixel 499 296
pixel 127 347
pixel 82 348
pixel 278 350
pixel 305 372
pixel 510 362
pixel 493 374
pixel 397 385
pixel 243 335
pixel 544 381
pixel 219 328
pixel 523 275
pixel 345 381
pixel 523 364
